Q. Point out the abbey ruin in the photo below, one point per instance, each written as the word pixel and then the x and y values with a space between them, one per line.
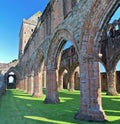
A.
pixel 43 62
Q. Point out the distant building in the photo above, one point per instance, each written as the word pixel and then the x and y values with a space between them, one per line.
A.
pixel 27 28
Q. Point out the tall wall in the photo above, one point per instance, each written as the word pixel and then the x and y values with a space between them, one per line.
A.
pixel 27 28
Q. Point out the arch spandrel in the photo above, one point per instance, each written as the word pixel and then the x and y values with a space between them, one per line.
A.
pixel 39 59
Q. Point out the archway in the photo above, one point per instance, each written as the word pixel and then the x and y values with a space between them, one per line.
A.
pixel 11 78
pixel 63 78
pixel 66 83
pixel 11 81
pixel 77 78
pixel 53 63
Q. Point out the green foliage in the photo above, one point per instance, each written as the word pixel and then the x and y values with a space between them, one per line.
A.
pixel 17 107
pixel 14 60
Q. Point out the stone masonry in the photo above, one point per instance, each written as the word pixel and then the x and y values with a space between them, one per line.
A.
pixel 83 23
pixel 4 68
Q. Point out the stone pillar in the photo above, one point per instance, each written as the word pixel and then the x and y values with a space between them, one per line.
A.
pixel 90 87
pixel 28 80
pixel 37 91
pixel 51 87
pixel 17 86
pixel 60 85
pixel 25 83
pixel 111 82
pixel 20 84
pixel 72 82
pixel 30 86
pixel 44 78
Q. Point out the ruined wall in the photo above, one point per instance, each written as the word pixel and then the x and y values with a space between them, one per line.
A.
pixel 2 86
pixel 82 23
pixel 4 67
pixel 70 59
pixel 104 81
pixel 58 16
pixel 27 28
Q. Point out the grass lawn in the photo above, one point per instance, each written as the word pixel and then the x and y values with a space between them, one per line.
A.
pixel 17 107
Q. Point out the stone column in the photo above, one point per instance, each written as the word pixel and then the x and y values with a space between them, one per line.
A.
pixel 111 82
pixel 60 83
pixel 17 86
pixel 20 85
pixel 25 83
pixel 72 82
pixel 37 91
pixel 28 80
pixel 21 82
pixel 51 87
pixel 44 78
pixel 90 87
pixel 30 86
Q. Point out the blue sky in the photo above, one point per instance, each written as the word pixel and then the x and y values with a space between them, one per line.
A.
pixel 11 14
pixel 116 15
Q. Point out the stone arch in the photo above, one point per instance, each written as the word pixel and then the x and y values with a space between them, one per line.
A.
pixel 53 58
pixel 61 78
pixel 93 31
pixel 16 76
pixel 77 80
pixel 76 76
pixel 57 42
pixel 72 74
pixel 111 63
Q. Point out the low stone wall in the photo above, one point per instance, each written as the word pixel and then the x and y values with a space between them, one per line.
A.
pixel 2 86
pixel 104 81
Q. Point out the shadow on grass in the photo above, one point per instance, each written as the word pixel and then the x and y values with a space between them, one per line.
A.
pixel 30 110
pixel 111 106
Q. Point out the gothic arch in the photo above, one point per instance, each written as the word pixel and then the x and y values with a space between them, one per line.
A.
pixel 16 76
pixel 56 44
pixel 61 74
pixel 101 17
pixel 53 59
pixel 13 69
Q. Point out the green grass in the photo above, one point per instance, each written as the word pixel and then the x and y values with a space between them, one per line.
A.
pixel 17 107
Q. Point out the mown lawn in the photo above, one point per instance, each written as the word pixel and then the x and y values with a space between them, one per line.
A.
pixel 17 107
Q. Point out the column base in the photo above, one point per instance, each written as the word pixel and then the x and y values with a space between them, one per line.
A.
pixel 37 95
pixel 71 90
pixel 112 93
pixel 30 92
pixel 51 101
pixel 91 116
